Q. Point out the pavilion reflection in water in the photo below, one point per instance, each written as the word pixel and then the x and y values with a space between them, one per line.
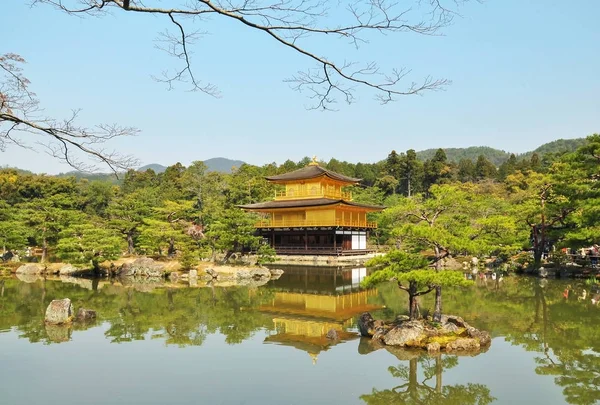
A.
pixel 309 302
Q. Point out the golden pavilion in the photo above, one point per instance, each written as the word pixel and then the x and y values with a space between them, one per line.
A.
pixel 314 214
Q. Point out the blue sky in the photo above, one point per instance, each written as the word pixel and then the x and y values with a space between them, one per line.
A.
pixel 524 72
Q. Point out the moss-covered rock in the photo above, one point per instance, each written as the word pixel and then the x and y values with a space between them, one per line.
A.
pixel 452 334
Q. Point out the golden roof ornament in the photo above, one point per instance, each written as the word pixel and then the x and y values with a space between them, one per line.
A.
pixel 314 161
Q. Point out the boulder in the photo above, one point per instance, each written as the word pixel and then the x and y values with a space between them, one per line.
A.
pixel 69 270
pixel 332 334
pixel 31 268
pixel 212 273
pixel 408 334
pixel 449 328
pixel 483 337
pixel 463 344
pixel 243 274
pixel 433 347
pixel 85 315
pixel 193 273
pixel 402 318
pixel 59 312
pixel 366 324
pixel 260 272
pixel 174 276
pixel 456 320
pixel 275 273
pixel 142 267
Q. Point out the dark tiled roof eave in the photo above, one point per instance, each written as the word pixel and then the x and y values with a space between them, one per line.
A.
pixel 317 202
pixel 311 172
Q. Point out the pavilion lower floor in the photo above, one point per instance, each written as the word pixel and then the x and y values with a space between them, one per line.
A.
pixel 317 241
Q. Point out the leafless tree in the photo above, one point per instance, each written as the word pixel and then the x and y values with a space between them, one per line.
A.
pixel 23 124
pixel 294 24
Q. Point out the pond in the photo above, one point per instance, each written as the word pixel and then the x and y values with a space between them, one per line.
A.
pixel 238 345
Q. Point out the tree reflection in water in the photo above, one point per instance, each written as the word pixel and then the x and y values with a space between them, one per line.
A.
pixel 427 387
pixel 533 313
pixel 180 316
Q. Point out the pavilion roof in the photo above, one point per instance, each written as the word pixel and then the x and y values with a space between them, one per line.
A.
pixel 310 172
pixel 315 202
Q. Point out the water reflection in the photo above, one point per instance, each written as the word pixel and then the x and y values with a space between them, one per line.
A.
pixel 546 319
pixel 309 303
pixel 420 381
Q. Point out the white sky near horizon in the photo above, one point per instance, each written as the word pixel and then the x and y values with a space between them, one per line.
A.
pixel 523 73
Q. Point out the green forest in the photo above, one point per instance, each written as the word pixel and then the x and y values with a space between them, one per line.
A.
pixel 469 207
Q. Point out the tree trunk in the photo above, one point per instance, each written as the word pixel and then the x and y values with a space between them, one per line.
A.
pixel 413 304
pixel 437 312
pixel 408 186
pixel 171 251
pixel 130 247
pixel 44 250
pixel 438 258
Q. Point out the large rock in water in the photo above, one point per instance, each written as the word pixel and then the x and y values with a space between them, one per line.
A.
pixel 482 336
pixel 59 312
pixel 366 324
pixel 142 267
pixel 463 345
pixel 260 272
pixel 30 268
pixel 409 333
pixel 275 273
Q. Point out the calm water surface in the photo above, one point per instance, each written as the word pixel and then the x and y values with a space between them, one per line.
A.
pixel 240 345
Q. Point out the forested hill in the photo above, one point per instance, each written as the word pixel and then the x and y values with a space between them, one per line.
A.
pixel 497 157
pixel 559 146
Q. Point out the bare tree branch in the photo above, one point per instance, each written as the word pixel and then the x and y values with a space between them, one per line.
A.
pixel 291 23
pixel 21 124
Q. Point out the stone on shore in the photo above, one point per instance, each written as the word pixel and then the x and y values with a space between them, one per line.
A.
pixel 275 273
pixel 59 312
pixel 142 267
pixel 212 273
pixel 31 268
pixel 260 272
pixel 70 270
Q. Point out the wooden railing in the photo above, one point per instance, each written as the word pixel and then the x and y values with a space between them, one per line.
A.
pixel 319 193
pixel 288 223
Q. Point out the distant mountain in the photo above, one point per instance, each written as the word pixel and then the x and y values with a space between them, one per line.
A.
pixel 222 165
pixel 218 164
pixel 496 156
pixel 153 166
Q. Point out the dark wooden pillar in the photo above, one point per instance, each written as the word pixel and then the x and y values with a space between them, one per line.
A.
pixel 305 240
pixel 334 241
